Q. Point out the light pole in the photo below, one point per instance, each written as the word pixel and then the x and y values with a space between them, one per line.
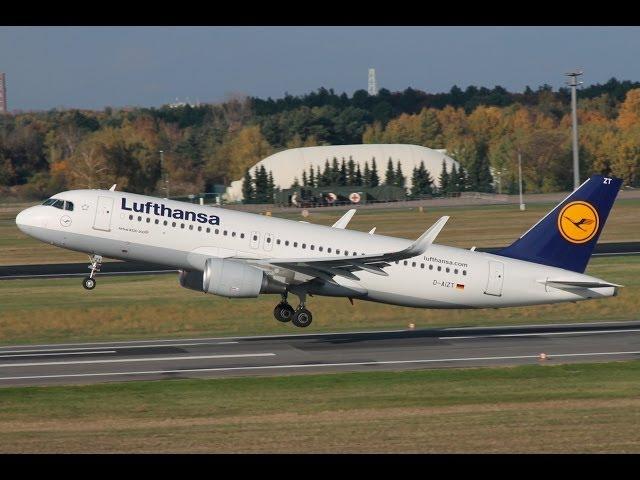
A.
pixel 522 207
pixel 573 83
pixel 163 175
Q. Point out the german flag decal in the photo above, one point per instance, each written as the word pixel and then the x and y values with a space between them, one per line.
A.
pixel 459 286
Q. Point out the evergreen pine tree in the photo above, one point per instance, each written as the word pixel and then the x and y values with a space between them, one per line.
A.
pixel 485 179
pixel 305 182
pixel 326 175
pixel 358 181
pixel 295 183
pixel 453 180
pixel 247 188
pixel 271 188
pixel 399 180
pixel 444 179
pixel 390 176
pixel 342 179
pixel 415 183
pixel 374 179
pixel 261 182
pixel 318 176
pixel 335 172
pixel 427 181
pixel 366 176
pixel 312 177
pixel 351 172
pixel 462 179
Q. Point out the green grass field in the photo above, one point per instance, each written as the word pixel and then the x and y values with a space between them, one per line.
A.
pixel 60 310
pixel 482 226
pixel 540 408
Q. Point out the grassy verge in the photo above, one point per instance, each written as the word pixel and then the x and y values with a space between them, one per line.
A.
pixel 155 306
pixel 483 226
pixel 565 408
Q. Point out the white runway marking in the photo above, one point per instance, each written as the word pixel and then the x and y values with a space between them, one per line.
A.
pixel 65 350
pixel 550 356
pixel 574 332
pixel 65 353
pixel 128 360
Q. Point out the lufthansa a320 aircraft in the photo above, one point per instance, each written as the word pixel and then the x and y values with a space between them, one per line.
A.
pixel 237 254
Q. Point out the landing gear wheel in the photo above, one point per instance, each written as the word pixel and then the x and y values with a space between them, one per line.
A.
pixel 302 318
pixel 283 312
pixel 89 283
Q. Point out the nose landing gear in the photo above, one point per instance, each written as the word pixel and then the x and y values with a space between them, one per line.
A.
pixel 89 283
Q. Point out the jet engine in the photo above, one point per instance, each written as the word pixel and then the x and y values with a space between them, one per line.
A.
pixel 230 278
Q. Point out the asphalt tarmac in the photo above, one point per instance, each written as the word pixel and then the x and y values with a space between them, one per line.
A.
pixel 62 270
pixel 317 353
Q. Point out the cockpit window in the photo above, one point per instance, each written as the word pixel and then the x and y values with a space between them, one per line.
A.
pixel 57 203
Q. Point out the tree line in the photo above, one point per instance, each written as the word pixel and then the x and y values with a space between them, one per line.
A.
pixel 483 129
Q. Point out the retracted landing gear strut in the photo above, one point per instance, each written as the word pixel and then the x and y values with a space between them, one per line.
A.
pixel 89 282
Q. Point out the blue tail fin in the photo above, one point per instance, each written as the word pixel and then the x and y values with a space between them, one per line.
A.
pixel 566 236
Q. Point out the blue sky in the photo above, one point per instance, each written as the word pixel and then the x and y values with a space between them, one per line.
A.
pixel 93 67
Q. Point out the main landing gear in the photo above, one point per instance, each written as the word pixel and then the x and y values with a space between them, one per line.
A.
pixel 300 317
pixel 89 283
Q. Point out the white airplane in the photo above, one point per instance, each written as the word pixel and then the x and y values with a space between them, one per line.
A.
pixel 236 254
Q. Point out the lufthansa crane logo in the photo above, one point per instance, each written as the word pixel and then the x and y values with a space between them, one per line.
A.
pixel 578 222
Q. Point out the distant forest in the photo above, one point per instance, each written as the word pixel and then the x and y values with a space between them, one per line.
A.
pixel 45 152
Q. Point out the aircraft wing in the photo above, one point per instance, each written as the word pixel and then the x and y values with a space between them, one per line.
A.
pixel 327 267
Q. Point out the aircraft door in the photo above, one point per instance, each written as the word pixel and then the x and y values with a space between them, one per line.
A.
pixel 268 242
pixel 496 278
pixel 255 239
pixel 102 220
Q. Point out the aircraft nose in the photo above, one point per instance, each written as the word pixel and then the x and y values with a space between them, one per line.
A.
pixel 25 219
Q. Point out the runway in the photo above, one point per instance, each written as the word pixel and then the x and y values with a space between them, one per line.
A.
pixel 317 353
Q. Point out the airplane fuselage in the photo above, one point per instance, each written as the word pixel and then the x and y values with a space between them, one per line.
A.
pixel 132 227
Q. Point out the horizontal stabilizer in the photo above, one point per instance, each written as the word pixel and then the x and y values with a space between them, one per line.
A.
pixel 574 284
pixel 345 219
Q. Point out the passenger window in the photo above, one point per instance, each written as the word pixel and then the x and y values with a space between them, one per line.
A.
pixel 455 271
pixel 173 224
pixel 346 253
pixel 165 223
pixel 286 243
pixel 312 247
pixel 199 228
pixel 130 217
pixel 182 225
pixel 255 237
pixel 405 262
pixel 224 233
pixel 329 250
pixel 422 265
pixel 139 218
pixel 278 241
pixel 413 264
pixel 295 244
pixel 148 220
pixel 208 230
pixel 338 251
pixel 241 235
pixel 218 231
pixel 430 267
pixel 157 221
pixel 320 249
pixel 233 234
pixel 447 269
pixel 464 272
pixel 439 269
pixel 190 227
pixel 304 245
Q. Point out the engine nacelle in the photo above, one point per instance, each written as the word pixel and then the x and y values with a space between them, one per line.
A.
pixel 230 278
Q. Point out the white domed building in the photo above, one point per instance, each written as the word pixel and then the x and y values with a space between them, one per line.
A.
pixel 288 165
